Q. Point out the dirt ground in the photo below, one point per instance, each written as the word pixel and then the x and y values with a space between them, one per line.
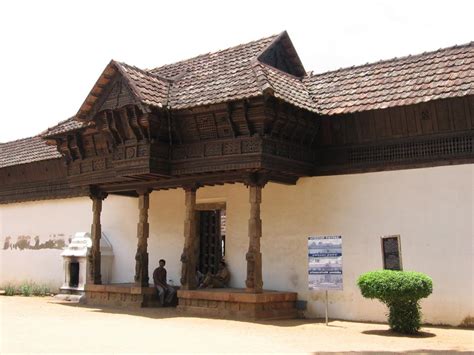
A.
pixel 45 325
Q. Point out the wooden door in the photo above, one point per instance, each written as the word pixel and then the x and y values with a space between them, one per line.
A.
pixel 210 241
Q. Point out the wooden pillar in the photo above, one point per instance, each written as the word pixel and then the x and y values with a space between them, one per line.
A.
pixel 94 257
pixel 141 257
pixel 254 282
pixel 189 256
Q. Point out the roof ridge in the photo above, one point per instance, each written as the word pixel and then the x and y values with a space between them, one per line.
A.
pixel 143 71
pixel 211 53
pixel 394 59
pixel 261 77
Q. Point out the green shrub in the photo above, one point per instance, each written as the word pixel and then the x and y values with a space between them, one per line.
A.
pixel 10 290
pixel 26 289
pixel 400 291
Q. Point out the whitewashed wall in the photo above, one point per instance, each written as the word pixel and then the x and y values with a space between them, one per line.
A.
pixel 432 210
pixel 45 219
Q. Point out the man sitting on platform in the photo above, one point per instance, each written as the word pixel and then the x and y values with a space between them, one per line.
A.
pixel 219 280
pixel 166 293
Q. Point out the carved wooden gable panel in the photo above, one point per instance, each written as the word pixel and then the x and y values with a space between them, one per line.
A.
pixel 119 95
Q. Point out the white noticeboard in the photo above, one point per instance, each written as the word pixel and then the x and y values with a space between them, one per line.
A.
pixel 325 263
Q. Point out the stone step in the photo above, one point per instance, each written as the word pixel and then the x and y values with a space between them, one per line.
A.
pixel 70 298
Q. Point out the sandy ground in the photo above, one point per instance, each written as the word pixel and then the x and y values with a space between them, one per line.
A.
pixel 45 325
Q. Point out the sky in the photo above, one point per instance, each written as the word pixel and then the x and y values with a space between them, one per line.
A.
pixel 52 52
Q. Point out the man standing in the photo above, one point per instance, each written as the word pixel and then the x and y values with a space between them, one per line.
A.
pixel 165 291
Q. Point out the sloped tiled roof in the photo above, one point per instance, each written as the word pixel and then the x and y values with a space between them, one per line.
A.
pixel 217 77
pixel 409 80
pixel 236 73
pixel 150 89
pixel 71 124
pixel 288 88
pixel 26 150
pixel 214 77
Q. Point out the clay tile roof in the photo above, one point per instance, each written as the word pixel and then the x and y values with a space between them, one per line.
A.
pixel 237 73
pixel 408 80
pixel 26 150
pixel 288 88
pixel 214 77
pixel 149 88
pixel 71 124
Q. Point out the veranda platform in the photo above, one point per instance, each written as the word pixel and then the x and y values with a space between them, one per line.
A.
pixel 230 303
pixel 121 295
pixel 236 303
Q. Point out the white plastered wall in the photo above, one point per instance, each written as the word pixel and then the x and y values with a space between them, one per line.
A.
pixel 431 209
pixel 43 219
pixel 63 218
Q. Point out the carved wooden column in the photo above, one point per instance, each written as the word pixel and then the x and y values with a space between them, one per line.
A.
pixel 254 280
pixel 94 275
pixel 141 257
pixel 189 256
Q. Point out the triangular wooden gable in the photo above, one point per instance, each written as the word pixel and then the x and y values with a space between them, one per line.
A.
pixel 117 95
pixel 111 91
pixel 281 54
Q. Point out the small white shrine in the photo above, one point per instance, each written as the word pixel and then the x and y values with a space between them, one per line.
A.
pixel 75 265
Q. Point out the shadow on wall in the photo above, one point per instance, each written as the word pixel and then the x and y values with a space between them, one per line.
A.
pixel 55 241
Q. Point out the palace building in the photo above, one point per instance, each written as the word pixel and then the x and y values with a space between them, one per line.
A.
pixel 242 154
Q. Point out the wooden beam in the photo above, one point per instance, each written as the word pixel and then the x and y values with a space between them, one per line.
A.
pixel 126 119
pixel 177 127
pixel 229 119
pixel 215 124
pixel 133 122
pixel 246 118
pixel 285 127
pixel 315 132
pixel 197 126
pixel 94 144
pixel 296 115
pixel 276 110
pixel 202 180
pixel 305 129
pixel 113 126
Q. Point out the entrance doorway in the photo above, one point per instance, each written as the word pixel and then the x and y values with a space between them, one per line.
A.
pixel 212 237
pixel 73 274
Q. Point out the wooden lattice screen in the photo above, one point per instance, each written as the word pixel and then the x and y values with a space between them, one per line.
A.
pixel 419 150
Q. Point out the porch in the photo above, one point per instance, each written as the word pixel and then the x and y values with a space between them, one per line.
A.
pixel 250 302
pixel 233 303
